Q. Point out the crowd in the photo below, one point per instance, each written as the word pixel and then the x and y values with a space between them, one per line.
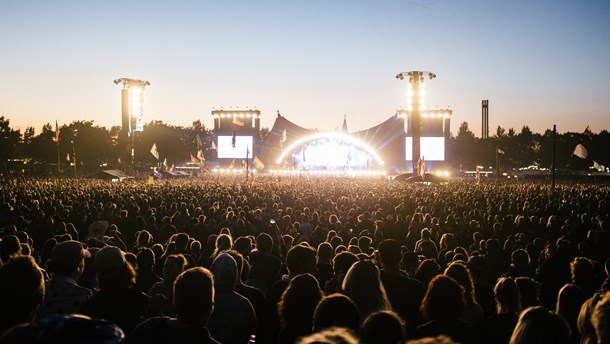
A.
pixel 303 260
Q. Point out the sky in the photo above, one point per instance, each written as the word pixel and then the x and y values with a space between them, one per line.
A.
pixel 539 63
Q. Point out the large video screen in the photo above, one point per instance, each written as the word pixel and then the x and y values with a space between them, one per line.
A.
pixel 431 148
pixel 242 145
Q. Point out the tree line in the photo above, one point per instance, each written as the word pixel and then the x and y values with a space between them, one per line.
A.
pixel 93 146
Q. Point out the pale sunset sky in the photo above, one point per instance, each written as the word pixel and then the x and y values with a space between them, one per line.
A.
pixel 539 62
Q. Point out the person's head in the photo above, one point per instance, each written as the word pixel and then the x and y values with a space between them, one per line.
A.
pixel 225 272
pixel 333 335
pixel 584 321
pixel 299 301
pixel 194 296
pixel 68 259
pixel 264 243
pixel 336 310
pixel 508 298
pixel 569 301
pixel 65 328
pixel 363 285
pixel 459 272
pixel 426 270
pixel 389 253
pixel 301 259
pixel 243 245
pixel 9 246
pixel 539 325
pixel 325 252
pixel 601 319
pixel 364 243
pixel 444 299
pixel 21 290
pixel 382 327
pixel 113 270
pixel 343 261
pixel 174 266
pixel 529 290
pixel 582 270
pixel 181 240
pixel 520 258
pixel 223 242
pixel 144 238
pixel 145 259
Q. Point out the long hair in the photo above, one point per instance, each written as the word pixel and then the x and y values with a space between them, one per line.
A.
pixel 363 285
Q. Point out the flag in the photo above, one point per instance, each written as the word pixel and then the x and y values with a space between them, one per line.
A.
pixel 588 132
pixel 422 168
pixel 283 138
pixel 197 140
pixel 233 139
pixel 56 137
pixel 258 163
pixel 200 155
pixel 193 159
pixel 580 151
pixel 165 162
pixel 500 151
pixel 67 156
pixel 214 145
pixel 154 151
pixel 232 164
pixel 238 122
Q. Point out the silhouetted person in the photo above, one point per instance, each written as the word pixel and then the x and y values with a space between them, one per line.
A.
pixel 569 301
pixel 499 327
pixel 539 325
pixel 21 291
pixel 194 302
pixel 382 327
pixel 405 293
pixel 145 274
pixel 442 306
pixel 63 295
pixel 116 300
pixel 336 310
pixel 363 285
pixel 296 307
pixel 233 319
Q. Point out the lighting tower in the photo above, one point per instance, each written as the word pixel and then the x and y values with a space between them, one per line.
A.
pixel 132 101
pixel 416 95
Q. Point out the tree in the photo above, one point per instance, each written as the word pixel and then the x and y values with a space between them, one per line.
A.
pixel 9 139
pixel 500 132
pixel 464 133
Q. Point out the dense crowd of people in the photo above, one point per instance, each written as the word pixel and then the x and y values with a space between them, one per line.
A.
pixel 302 260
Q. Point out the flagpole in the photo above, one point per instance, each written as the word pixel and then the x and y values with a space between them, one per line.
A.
pixel 74 158
pixel 497 164
pixel 58 161
pixel 553 168
pixel 247 164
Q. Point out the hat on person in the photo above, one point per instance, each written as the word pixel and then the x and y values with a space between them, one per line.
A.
pixel 109 259
pixel 67 254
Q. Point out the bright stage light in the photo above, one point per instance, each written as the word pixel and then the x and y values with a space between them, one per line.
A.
pixel 343 151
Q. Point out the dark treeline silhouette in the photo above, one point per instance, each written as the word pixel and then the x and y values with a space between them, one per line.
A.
pixel 95 145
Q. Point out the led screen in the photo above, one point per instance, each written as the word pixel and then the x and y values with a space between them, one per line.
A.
pixel 242 145
pixel 431 148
